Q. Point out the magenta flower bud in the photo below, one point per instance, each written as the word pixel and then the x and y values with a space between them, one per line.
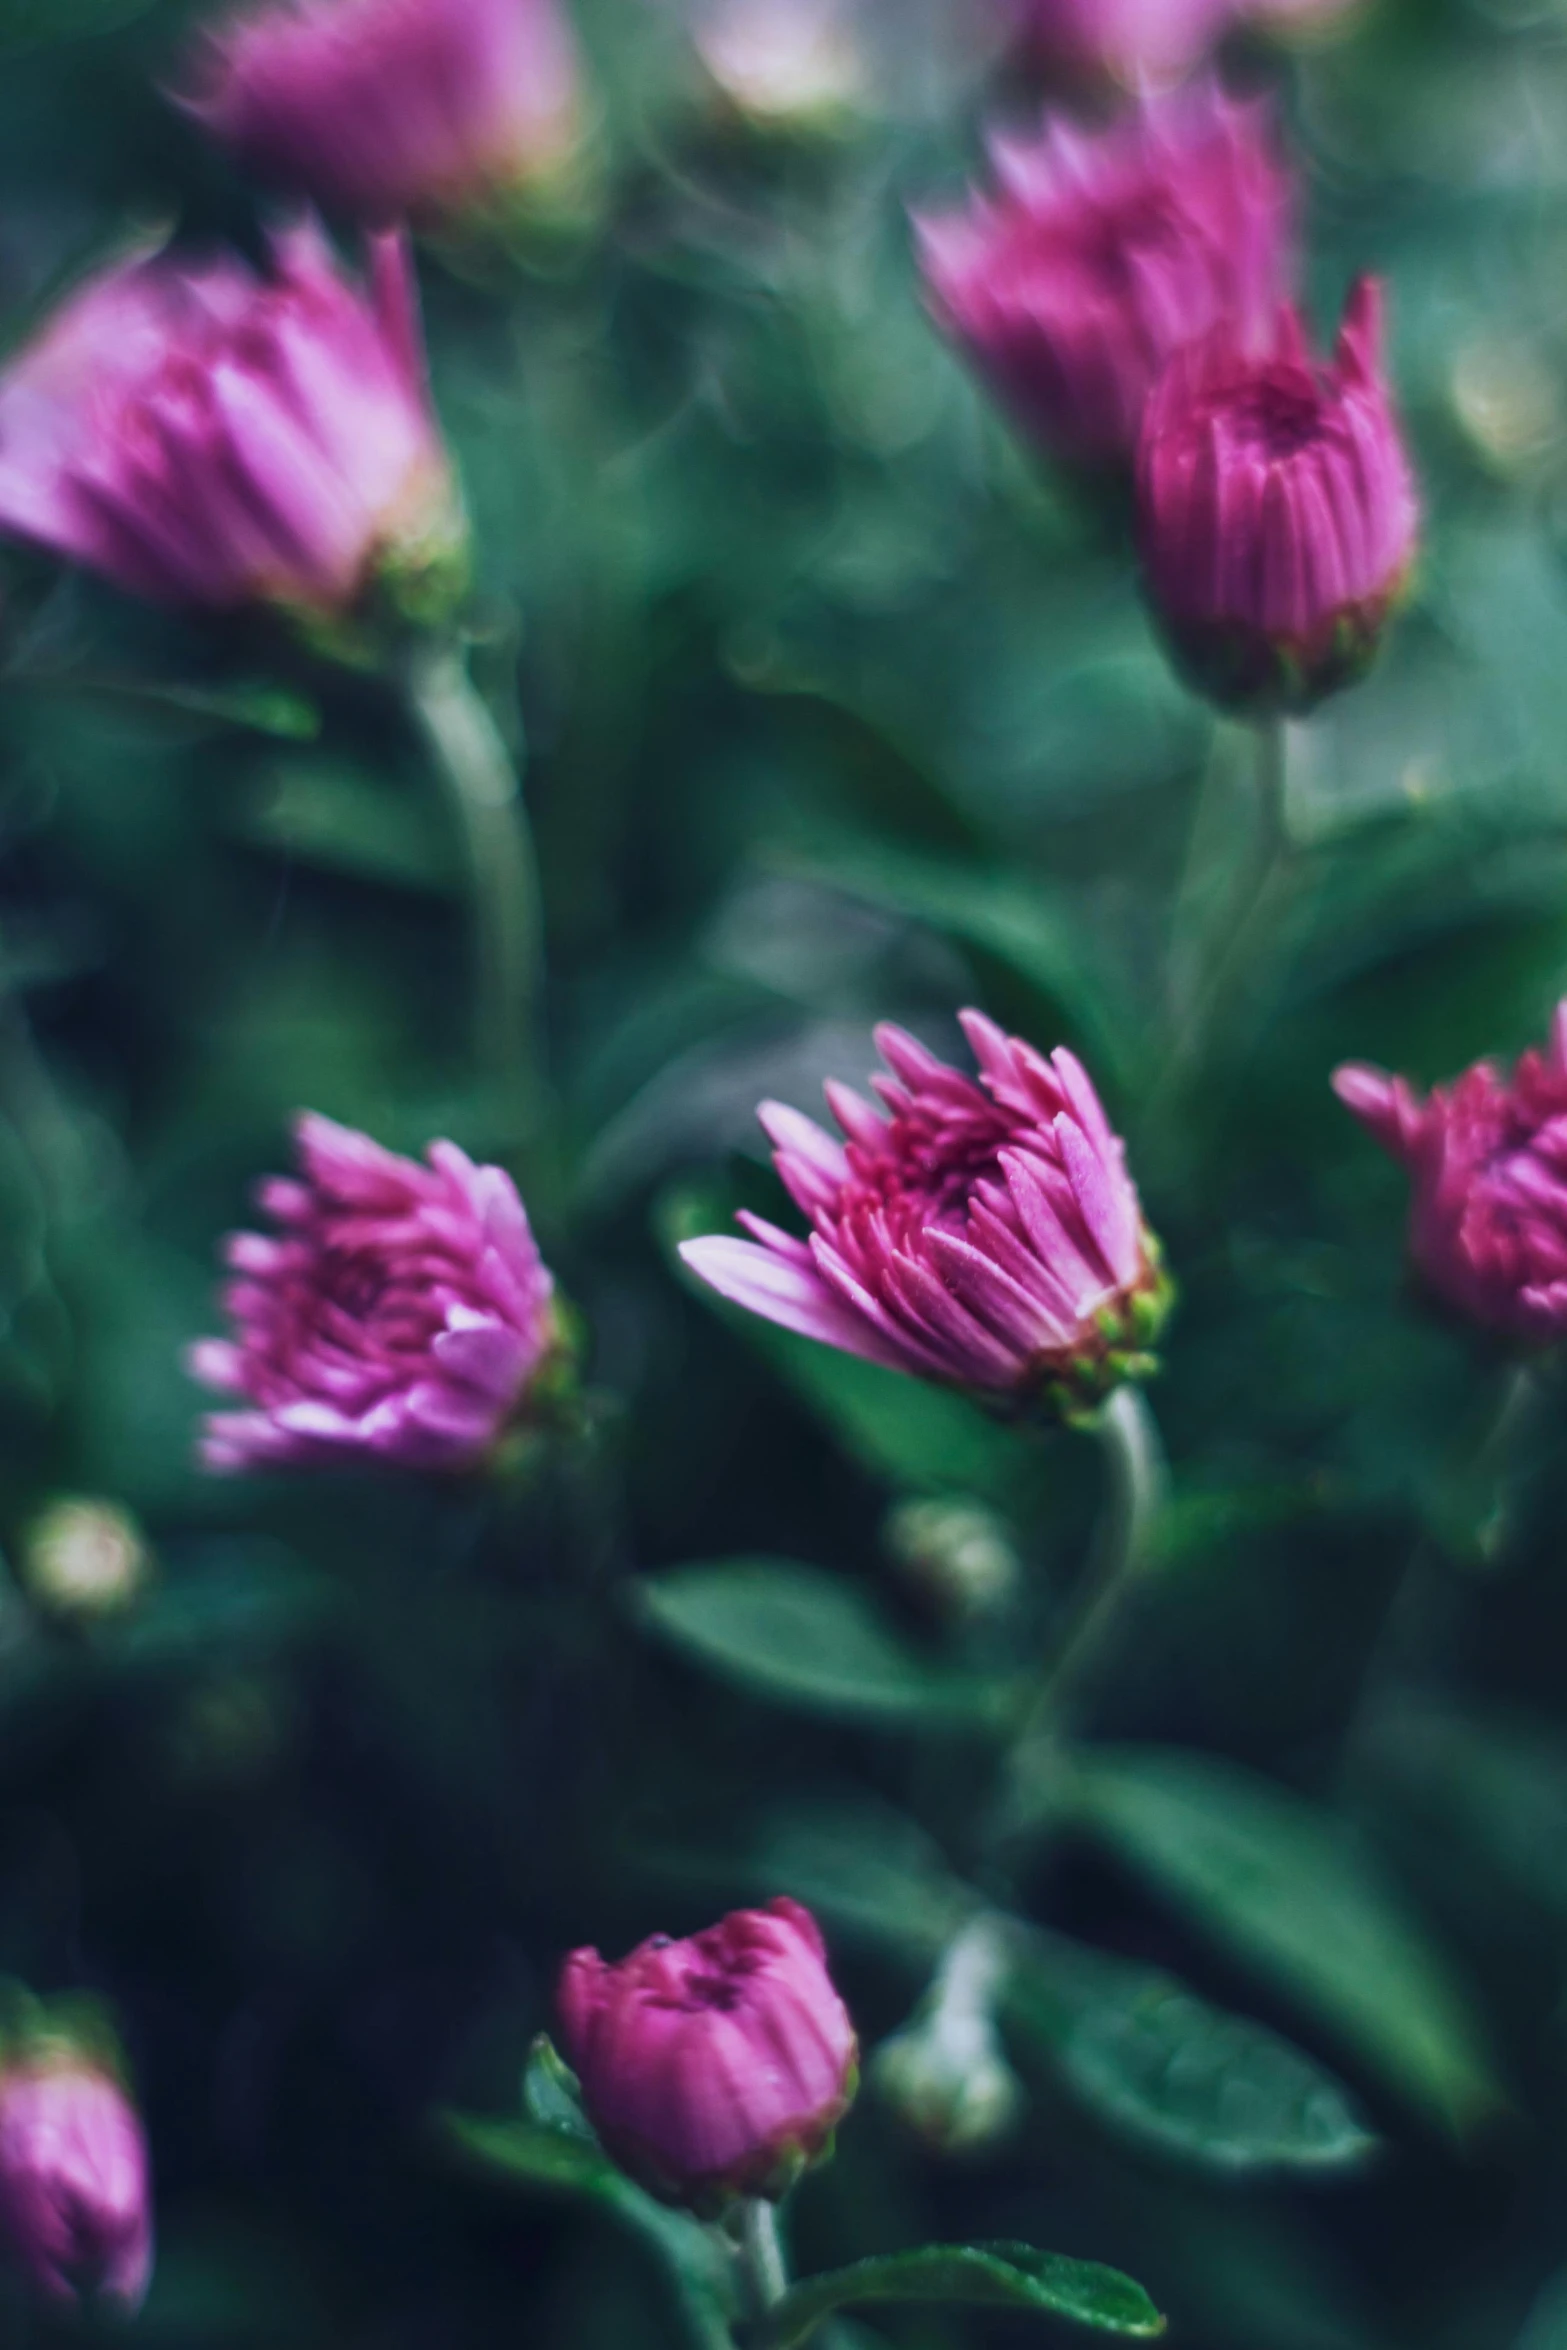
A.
pixel 74 2195
pixel 1133 41
pixel 717 2066
pixel 386 107
pixel 1101 254
pixel 401 1313
pixel 1277 510
pixel 200 437
pixel 986 1235
pixel 1487 1163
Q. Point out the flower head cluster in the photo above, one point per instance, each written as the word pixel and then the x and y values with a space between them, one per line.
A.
pixel 200 436
pixel 386 107
pixel 75 2201
pixel 401 1313
pixel 1102 254
pixel 717 2066
pixel 1277 509
pixel 1487 1163
pixel 983 1233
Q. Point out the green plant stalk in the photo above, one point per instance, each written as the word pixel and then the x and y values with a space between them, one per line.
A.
pixel 1136 1477
pixel 1248 922
pixel 484 789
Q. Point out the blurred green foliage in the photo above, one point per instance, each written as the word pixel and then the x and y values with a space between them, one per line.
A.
pixel 840 706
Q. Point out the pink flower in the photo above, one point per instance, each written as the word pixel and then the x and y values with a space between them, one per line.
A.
pixel 717 2066
pixel 384 107
pixel 201 437
pixel 1103 253
pixel 74 2193
pixel 1277 510
pixel 1487 1163
pixel 401 1314
pixel 982 1234
pixel 1133 40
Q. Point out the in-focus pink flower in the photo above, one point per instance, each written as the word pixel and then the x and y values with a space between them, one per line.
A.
pixel 1132 40
pixel 717 2066
pixel 984 1234
pixel 75 2200
pixel 386 107
pixel 1276 509
pixel 1102 253
pixel 1487 1164
pixel 400 1314
pixel 202 437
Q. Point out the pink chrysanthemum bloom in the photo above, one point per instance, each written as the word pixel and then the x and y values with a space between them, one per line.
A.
pixel 717 2066
pixel 1276 510
pixel 75 2201
pixel 386 107
pixel 1134 41
pixel 1487 1163
pixel 201 437
pixel 1102 253
pixel 985 1234
pixel 402 1313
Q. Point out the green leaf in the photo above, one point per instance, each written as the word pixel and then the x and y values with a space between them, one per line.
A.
pixel 916 1436
pixel 987 2276
pixel 1291 1893
pixel 808 1639
pixel 869 1871
pixel 1162 2067
pixel 550 2093
pixel 564 2158
pixel 346 821
pixel 533 2154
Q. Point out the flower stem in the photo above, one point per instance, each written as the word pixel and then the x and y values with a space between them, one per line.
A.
pixel 1249 924
pixel 761 2255
pixel 484 790
pixel 1136 1474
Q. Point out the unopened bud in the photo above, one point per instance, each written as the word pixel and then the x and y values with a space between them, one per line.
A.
pixel 946 2073
pixel 83 1558
pixel 951 2083
pixel 955 1555
pixel 784 64
pixel 75 2196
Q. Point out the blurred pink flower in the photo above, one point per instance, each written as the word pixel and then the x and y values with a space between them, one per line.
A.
pixel 384 107
pixel 74 2194
pixel 1133 40
pixel 400 1315
pixel 985 1234
pixel 717 2066
pixel 1277 509
pixel 1487 1163
pixel 1102 253
pixel 202 437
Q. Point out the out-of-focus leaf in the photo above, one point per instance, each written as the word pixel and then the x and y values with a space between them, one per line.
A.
pixel 1163 2067
pixel 810 1639
pixel 984 2276
pixel 247 1595
pixel 869 1872
pixel 913 1434
pixel 1021 924
pixel 1288 1889
pixel 30 24
pixel 349 822
pixel 1492 1783
pixel 1546 2328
